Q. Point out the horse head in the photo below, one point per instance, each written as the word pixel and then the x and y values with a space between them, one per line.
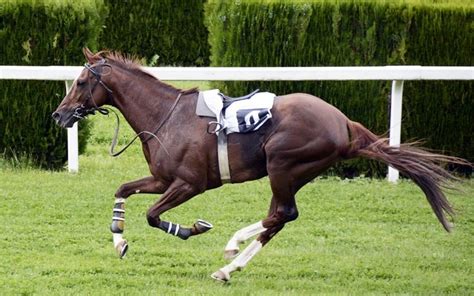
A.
pixel 88 93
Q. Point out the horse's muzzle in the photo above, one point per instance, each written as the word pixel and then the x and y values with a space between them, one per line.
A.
pixel 64 119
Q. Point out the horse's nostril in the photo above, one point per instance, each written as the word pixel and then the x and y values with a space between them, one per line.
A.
pixel 56 116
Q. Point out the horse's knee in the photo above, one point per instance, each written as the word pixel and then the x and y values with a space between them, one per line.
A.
pixel 122 192
pixel 153 221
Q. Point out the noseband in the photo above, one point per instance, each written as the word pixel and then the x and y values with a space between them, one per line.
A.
pixel 82 111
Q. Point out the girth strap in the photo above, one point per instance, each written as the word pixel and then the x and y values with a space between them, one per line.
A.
pixel 223 157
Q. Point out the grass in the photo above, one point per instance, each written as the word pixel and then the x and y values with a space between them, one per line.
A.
pixel 356 236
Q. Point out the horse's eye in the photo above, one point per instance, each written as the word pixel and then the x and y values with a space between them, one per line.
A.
pixel 81 82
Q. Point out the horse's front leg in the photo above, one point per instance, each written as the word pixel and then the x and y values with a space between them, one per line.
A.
pixel 145 185
pixel 178 192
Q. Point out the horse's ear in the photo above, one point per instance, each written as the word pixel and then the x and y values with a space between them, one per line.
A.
pixel 88 55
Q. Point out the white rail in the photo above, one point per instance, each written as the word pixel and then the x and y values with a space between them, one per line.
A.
pixel 397 74
pixel 252 74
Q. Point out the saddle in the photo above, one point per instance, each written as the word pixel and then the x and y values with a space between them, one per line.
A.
pixel 227 101
pixel 235 115
pixel 232 115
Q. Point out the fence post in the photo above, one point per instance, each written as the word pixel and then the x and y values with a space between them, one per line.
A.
pixel 72 141
pixel 395 122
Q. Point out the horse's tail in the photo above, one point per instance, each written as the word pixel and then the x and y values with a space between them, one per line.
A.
pixel 420 165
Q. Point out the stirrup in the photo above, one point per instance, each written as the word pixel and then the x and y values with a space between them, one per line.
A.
pixel 217 127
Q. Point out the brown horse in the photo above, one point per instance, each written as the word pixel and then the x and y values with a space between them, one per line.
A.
pixel 304 137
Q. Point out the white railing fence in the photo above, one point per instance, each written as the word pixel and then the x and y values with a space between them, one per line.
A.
pixel 397 74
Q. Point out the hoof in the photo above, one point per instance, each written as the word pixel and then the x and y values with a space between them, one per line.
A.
pixel 122 248
pixel 221 276
pixel 230 254
pixel 202 226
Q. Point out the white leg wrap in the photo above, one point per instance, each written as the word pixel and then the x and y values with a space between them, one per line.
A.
pixel 244 257
pixel 244 234
pixel 117 238
pixel 117 227
pixel 120 200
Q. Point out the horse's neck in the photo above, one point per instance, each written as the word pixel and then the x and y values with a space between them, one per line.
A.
pixel 144 103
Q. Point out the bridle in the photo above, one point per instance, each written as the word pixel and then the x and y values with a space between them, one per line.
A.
pixel 82 111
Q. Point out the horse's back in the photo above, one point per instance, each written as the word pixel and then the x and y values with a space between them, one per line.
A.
pixel 310 116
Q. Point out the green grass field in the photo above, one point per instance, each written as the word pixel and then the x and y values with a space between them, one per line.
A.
pixel 352 237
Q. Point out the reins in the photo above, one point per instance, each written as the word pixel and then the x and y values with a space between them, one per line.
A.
pixel 151 135
pixel 168 115
pixel 115 138
pixel 82 112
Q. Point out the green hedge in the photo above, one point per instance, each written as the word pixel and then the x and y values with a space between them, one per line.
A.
pixel 41 32
pixel 172 30
pixel 358 33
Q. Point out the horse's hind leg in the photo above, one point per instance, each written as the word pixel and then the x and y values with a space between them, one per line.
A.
pixel 282 210
pixel 232 247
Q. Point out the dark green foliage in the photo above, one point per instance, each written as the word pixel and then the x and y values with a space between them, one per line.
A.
pixel 358 33
pixel 172 30
pixel 37 33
